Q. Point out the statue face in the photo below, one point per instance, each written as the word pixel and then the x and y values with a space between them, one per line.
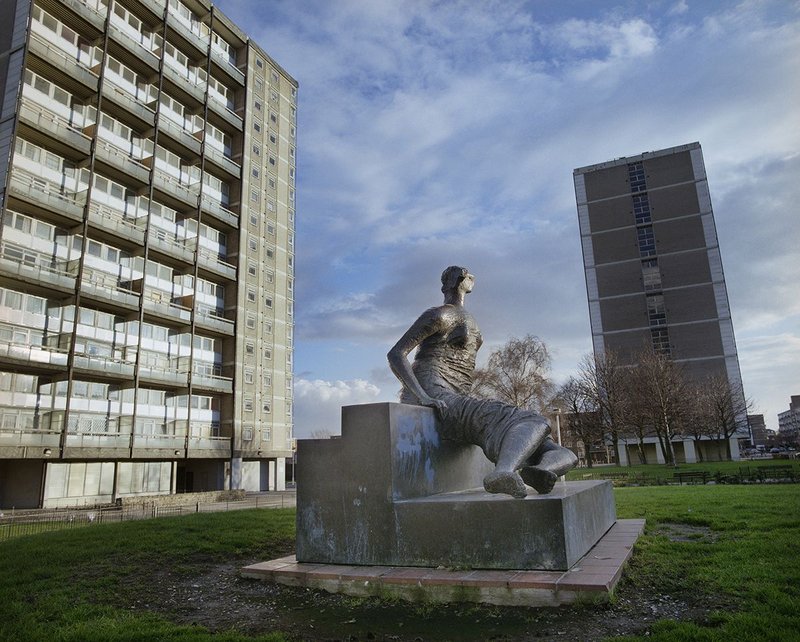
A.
pixel 467 283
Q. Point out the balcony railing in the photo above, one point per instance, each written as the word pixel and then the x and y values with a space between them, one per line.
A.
pixel 128 101
pixel 101 365
pixel 211 261
pixel 230 116
pixel 212 319
pixel 102 285
pixel 29 438
pixel 134 46
pixel 114 221
pixel 119 158
pixel 60 59
pixel 200 43
pixel 218 211
pixel 33 354
pixel 176 132
pixel 44 120
pixel 195 88
pixel 160 303
pixel 51 196
pixel 29 266
pixel 223 61
pixel 172 186
pixel 223 162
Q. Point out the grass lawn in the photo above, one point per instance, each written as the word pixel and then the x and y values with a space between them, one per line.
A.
pixel 734 547
pixel 666 472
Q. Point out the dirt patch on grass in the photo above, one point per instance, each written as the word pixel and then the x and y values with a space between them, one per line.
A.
pixel 685 533
pixel 219 599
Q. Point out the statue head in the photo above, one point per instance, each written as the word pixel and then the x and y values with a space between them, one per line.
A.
pixel 452 276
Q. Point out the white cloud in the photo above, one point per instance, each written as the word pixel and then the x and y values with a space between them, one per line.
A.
pixel 317 404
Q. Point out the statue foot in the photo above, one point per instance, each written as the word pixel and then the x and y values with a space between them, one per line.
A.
pixel 542 481
pixel 509 483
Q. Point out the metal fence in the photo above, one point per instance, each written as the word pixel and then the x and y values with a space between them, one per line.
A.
pixel 28 522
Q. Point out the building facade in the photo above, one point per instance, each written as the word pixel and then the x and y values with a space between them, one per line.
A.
pixel 654 273
pixel 147 167
pixel 789 423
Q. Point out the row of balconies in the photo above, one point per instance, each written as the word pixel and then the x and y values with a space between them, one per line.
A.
pixel 19 264
pixel 41 444
pixel 172 372
pixel 84 80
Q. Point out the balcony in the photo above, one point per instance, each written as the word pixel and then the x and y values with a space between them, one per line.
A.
pixel 102 287
pixel 193 88
pixel 167 245
pixel 161 370
pixel 32 358
pixel 222 62
pixel 127 101
pixel 130 45
pixel 197 45
pixel 155 7
pixel 21 265
pixel 106 367
pixel 178 134
pixel 185 194
pixel 215 209
pixel 212 384
pixel 221 161
pixel 111 222
pixel 210 262
pixel 211 319
pixel 209 447
pixel 230 117
pixel 46 122
pixel 59 59
pixel 155 445
pixel 39 194
pixel 96 444
pixel 18 444
pixel 159 305
pixel 118 159
pixel 91 12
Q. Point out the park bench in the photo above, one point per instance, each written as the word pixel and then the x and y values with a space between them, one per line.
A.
pixel 691 477
pixel 786 471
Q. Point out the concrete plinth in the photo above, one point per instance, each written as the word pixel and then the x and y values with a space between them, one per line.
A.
pixel 390 492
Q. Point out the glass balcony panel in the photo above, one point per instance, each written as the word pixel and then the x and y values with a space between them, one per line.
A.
pixel 129 102
pixel 223 162
pixel 116 157
pixel 99 285
pixel 111 220
pixel 29 266
pixel 44 120
pixel 75 69
pixel 215 209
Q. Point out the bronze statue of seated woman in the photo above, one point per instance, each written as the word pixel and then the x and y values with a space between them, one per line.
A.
pixel 516 440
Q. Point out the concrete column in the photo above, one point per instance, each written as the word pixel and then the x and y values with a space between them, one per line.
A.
pixel 280 473
pixel 689 451
pixel 622 452
pixel 735 454
pixel 236 472
pixel 271 477
pixel 659 453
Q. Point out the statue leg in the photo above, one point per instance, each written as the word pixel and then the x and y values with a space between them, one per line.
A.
pixel 546 465
pixel 519 443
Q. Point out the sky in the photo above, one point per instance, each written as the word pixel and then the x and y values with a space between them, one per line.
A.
pixel 436 133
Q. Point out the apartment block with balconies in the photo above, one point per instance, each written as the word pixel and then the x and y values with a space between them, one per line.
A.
pixel 147 168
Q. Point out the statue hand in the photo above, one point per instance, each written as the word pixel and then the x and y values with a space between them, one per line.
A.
pixel 436 404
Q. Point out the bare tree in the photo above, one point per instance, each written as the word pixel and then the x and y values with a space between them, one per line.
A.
pixel 663 392
pixel 583 420
pixel 606 382
pixel 517 373
pixel 720 409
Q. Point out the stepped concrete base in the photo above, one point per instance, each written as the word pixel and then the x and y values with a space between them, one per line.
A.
pixel 391 492
pixel 592 580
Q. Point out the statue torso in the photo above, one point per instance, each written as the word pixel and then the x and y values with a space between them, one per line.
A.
pixel 445 360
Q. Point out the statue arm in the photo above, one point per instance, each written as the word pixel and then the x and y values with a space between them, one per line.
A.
pixel 429 323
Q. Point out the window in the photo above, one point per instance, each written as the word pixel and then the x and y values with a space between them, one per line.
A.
pixel 247 433
pixel 248 375
pixel 636 177
pixel 256 125
pixel 651 275
pixel 641 208
pixel 254 195
pixel 656 311
pixel 257 150
pixel 268 302
pixel 249 348
pixel 254 171
pixel 248 404
pixel 660 338
pixel 250 321
pixel 267 407
pixel 257 105
pixel 647 241
pixel 252 268
pixel 251 295
pixel 252 244
pixel 259 63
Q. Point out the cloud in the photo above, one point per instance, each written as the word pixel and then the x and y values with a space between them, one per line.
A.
pixel 318 404
pixel 446 133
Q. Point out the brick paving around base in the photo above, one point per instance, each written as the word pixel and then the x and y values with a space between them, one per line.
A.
pixel 591 580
